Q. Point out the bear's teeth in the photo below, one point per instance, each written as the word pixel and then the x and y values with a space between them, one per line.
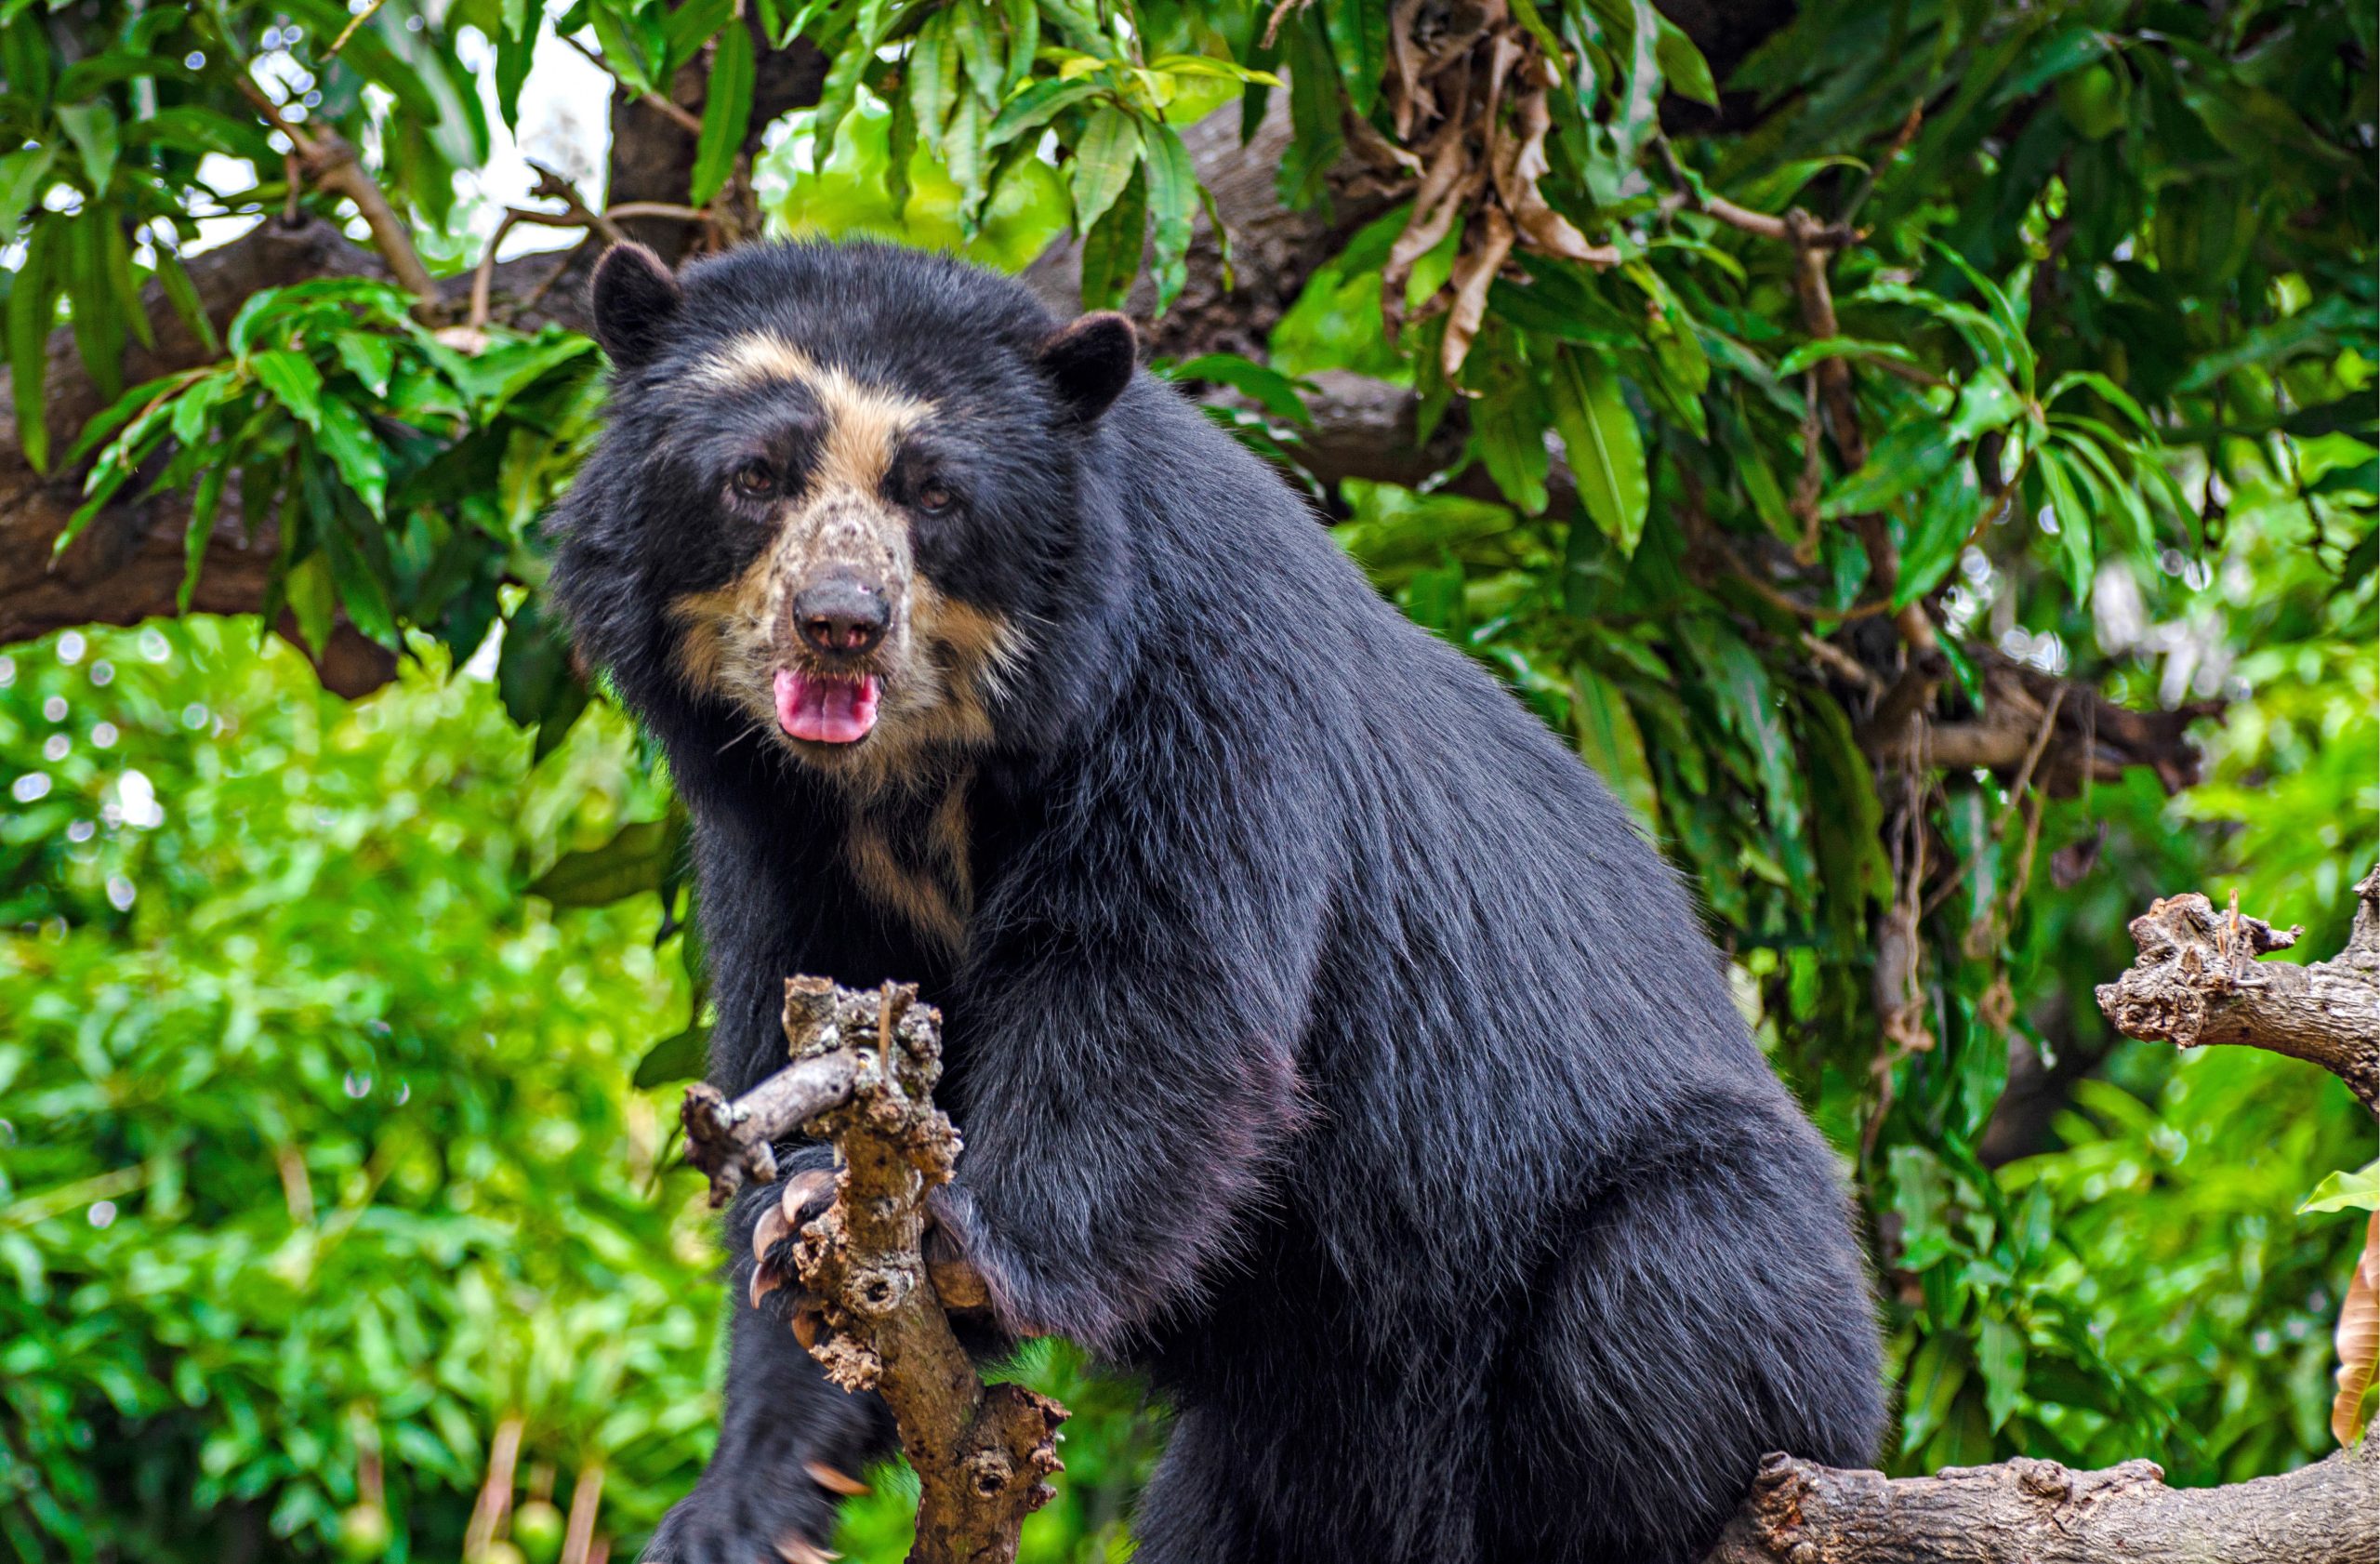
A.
pixel 825 709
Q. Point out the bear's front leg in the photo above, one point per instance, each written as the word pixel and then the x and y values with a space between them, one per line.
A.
pixel 791 1443
pixel 1123 1112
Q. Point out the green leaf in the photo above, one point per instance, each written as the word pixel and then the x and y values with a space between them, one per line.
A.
pixel 1600 437
pixel 370 356
pixel 32 310
pixel 182 294
pixel 1103 164
pixel 1986 401
pixel 1035 105
pixel 2073 520
pixel 1746 702
pixel 1610 741
pixel 1999 1355
pixel 98 320
pixel 293 380
pixel 932 76
pixel 1681 63
pixel 312 598
pixel 1173 203
pixel 1023 20
pixel 979 51
pixel 93 129
pixel 346 438
pixel 2360 1189
pixel 1825 348
pixel 1358 34
pixel 679 1057
pixel 22 174
pixel 727 111
pixel 1948 513
pixel 1111 251
pixel 621 51
pixel 2113 394
pixel 1268 388
pixel 637 859
pixel 688 27
pixel 1908 457
pixel 1315 140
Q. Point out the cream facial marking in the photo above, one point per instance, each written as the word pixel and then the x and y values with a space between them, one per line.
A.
pixel 864 423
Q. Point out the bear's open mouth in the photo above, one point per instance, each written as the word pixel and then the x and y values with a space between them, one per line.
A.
pixel 826 708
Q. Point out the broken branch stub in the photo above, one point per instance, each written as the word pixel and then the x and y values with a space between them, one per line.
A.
pixel 2198 981
pixel 864 1064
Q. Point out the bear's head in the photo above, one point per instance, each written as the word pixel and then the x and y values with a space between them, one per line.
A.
pixel 836 505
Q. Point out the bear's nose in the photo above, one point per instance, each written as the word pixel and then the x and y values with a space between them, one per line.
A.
pixel 841 616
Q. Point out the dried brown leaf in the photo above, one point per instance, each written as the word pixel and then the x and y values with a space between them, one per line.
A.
pixel 2358 1336
pixel 1366 141
pixel 1490 241
pixel 1408 99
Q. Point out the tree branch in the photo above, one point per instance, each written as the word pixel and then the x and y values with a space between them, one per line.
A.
pixel 2038 1512
pixel 2197 982
pixel 127 564
pixel 863 1077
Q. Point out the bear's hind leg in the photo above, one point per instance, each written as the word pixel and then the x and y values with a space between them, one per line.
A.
pixel 1712 1311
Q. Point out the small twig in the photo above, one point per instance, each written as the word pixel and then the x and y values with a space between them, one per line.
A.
pixel 330 164
pixel 2017 795
pixel 684 120
pixel 1832 236
pixel 1909 126
pixel 1841 663
pixel 1770 592
pixel 1273 23
pixel 484 275
pixel 358 19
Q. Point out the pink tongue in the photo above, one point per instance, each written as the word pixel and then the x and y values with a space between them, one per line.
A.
pixel 826 711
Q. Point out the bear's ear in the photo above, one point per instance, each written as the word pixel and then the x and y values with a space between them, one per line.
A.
pixel 1090 361
pixel 636 298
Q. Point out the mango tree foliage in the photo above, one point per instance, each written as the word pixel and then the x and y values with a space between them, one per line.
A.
pixel 1874 443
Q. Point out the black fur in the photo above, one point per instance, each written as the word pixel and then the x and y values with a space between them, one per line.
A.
pixel 1326 1045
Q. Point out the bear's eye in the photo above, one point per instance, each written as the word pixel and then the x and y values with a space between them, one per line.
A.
pixel 754 481
pixel 934 498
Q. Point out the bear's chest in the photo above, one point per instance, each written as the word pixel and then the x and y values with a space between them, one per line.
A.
pixel 912 858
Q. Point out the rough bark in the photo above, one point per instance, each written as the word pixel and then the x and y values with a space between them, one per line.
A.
pixel 2198 981
pixel 863 1075
pixel 2038 1512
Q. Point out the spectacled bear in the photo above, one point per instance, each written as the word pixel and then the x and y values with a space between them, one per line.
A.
pixel 1326 1045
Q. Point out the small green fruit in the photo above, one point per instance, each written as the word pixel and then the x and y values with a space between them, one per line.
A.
pixel 502 1552
pixel 536 1529
pixel 364 1533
